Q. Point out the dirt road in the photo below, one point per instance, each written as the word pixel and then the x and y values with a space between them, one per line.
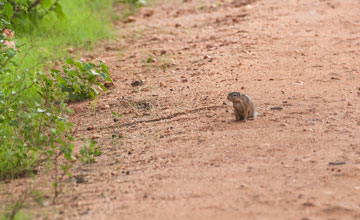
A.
pixel 176 152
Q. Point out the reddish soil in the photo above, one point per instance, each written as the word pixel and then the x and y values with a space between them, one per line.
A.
pixel 177 153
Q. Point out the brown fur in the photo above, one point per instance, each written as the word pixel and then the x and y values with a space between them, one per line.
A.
pixel 244 108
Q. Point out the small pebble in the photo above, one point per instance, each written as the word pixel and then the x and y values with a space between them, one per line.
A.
pixel 104 107
pixel 337 163
pixel 148 13
pixel 130 19
pixel 277 108
pixel 96 136
pixel 284 125
pixel 137 83
pixel 162 84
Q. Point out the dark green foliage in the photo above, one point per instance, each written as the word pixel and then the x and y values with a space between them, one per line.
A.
pixel 88 152
pixel 25 14
pixel 33 124
pixel 80 80
pixel 34 130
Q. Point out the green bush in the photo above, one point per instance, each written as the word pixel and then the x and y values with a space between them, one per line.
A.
pixel 34 129
pixel 88 152
pixel 79 81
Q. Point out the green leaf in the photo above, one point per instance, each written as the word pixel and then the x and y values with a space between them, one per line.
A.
pixel 94 73
pixel 55 71
pixel 10 52
pixel 89 66
pixel 103 75
pixel 102 87
pixel 53 130
pixel 8 11
pixel 46 3
pixel 40 110
pixel 58 11
pixel 70 61
pixel 116 114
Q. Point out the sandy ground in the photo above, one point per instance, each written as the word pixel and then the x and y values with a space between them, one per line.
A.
pixel 176 151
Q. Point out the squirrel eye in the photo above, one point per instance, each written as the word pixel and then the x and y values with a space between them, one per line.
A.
pixel 234 94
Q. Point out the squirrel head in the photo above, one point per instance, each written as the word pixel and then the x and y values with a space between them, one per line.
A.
pixel 233 96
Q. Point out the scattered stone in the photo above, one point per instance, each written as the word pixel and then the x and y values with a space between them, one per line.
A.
pixel 149 13
pixel 80 179
pixel 109 85
pixel 137 83
pixel 104 107
pixel 317 66
pixel 177 25
pixel 209 46
pixel 209 58
pixel 70 50
pixel 130 19
pixel 90 128
pixel 277 108
pixel 284 124
pixel 299 82
pixel 96 136
pixel 335 78
pixel 145 89
pixel 242 87
pixel 109 48
pixel 308 204
pixel 162 84
pixel 337 163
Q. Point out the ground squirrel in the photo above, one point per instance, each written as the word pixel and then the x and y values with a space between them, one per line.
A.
pixel 244 108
